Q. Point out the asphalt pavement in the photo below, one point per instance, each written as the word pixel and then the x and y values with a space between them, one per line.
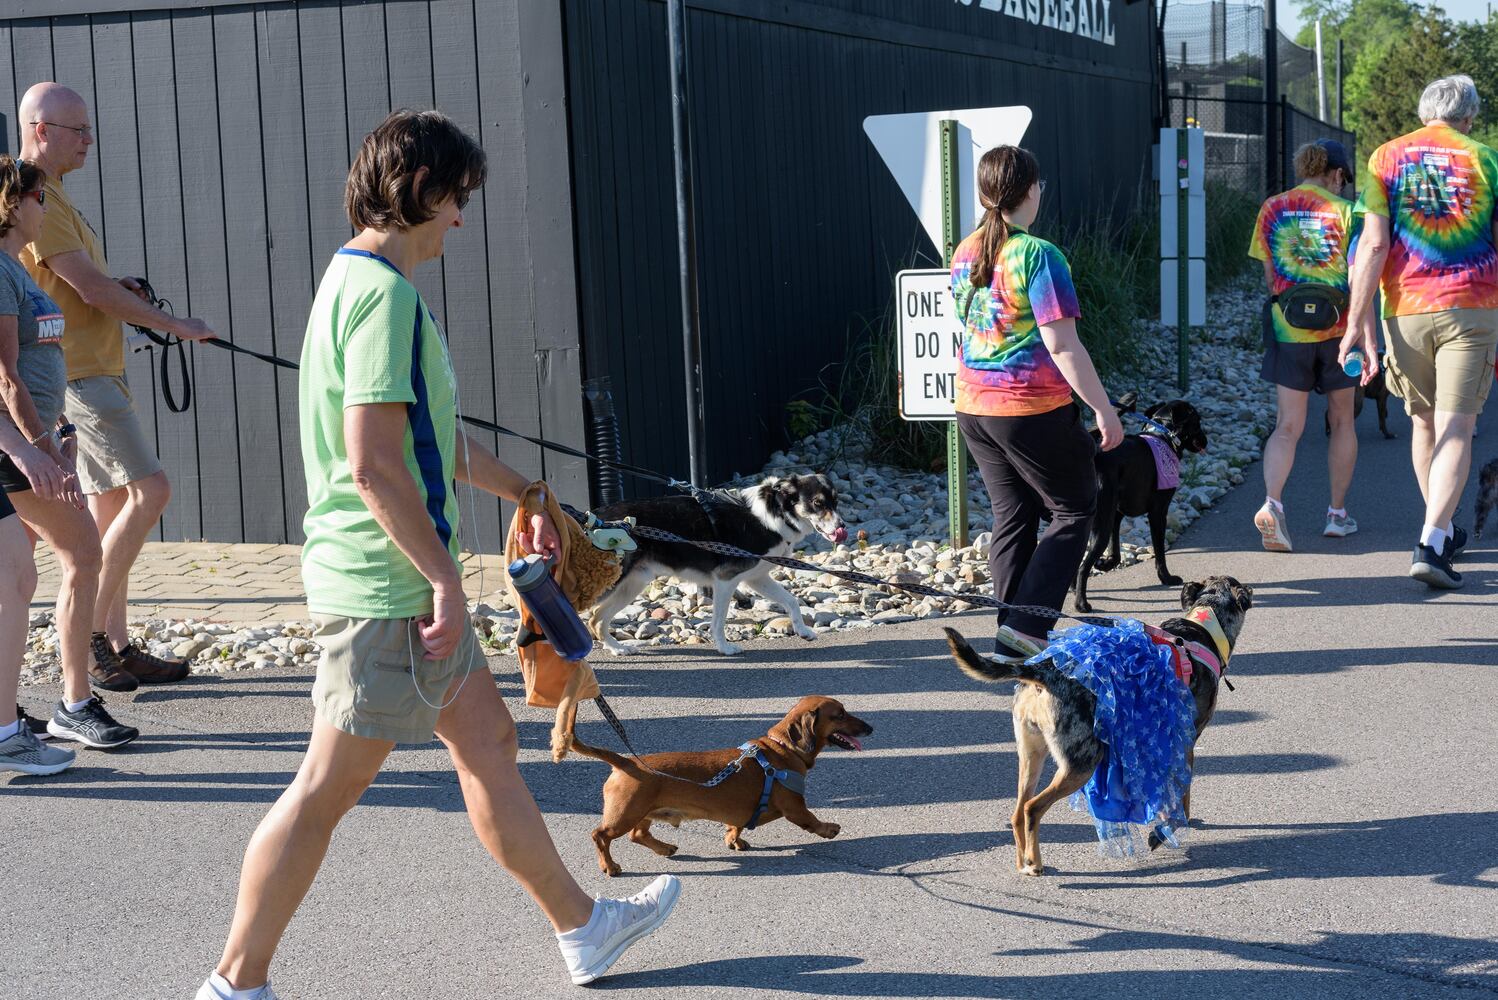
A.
pixel 1347 846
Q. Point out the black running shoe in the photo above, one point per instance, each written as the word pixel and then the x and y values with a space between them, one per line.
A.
pixel 91 725
pixel 1455 543
pixel 1433 569
pixel 38 727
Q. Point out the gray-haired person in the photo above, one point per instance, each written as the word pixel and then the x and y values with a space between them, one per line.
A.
pixel 1428 234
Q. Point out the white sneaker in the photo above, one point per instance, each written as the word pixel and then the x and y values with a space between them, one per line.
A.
pixel 1270 521
pixel 209 991
pixel 616 924
pixel 1340 527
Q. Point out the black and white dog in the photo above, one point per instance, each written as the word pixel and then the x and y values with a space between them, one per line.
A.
pixel 766 519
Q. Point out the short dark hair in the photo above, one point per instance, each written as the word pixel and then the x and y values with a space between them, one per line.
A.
pixel 17 179
pixel 381 192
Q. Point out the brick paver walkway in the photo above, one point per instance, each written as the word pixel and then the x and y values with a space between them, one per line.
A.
pixel 230 583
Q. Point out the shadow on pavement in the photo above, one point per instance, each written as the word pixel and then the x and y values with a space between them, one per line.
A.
pixel 1449 848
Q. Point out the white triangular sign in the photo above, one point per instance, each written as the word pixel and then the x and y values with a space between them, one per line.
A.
pixel 910 145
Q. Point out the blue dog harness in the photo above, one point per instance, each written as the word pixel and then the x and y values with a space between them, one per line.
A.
pixel 792 780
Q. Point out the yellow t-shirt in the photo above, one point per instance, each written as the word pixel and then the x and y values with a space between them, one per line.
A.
pixel 95 344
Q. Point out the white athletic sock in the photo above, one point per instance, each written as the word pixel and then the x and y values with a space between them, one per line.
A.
pixel 1271 501
pixel 1337 511
pixel 6 732
pixel 77 706
pixel 1433 537
pixel 582 932
pixel 226 992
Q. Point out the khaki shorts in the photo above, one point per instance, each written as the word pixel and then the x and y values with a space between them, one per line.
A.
pixel 1442 360
pixel 364 679
pixel 113 450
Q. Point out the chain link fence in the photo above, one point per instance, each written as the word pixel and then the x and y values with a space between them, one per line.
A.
pixel 1214 70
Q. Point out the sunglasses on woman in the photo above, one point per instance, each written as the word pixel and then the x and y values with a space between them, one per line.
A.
pixel 38 194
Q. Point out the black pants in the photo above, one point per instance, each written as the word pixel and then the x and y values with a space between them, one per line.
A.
pixel 1033 465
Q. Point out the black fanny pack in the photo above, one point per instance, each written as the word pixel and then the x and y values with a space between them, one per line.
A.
pixel 1312 306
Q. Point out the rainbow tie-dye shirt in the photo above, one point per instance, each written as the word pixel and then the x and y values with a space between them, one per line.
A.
pixel 1304 233
pixel 1435 186
pixel 1005 369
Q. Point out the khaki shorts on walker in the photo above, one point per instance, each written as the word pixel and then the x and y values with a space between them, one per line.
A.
pixel 364 680
pixel 113 450
pixel 1442 360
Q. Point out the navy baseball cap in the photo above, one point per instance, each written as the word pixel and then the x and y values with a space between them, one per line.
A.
pixel 1336 156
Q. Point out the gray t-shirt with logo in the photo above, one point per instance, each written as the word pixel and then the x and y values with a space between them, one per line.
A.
pixel 39 323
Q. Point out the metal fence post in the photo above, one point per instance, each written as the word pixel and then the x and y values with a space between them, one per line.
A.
pixel 1183 267
pixel 951 223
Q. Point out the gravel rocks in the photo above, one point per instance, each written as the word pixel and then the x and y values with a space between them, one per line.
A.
pixel 899 517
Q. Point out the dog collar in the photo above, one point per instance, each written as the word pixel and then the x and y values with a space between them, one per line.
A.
pixel 793 780
pixel 1207 619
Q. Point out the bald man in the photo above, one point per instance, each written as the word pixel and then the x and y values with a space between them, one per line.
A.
pixel 117 465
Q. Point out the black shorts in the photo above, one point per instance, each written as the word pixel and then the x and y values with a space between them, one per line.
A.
pixel 6 510
pixel 1306 367
pixel 12 479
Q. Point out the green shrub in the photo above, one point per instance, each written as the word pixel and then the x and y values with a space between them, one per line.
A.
pixel 1230 225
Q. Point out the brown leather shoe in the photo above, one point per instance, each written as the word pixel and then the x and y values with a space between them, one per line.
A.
pixel 107 671
pixel 150 669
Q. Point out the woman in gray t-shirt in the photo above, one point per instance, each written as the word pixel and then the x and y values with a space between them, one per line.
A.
pixel 39 478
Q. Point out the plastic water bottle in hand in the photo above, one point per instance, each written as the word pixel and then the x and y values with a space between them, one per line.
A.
pixel 554 613
pixel 1353 366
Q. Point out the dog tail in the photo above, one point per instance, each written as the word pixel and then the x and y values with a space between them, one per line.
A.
pixel 607 756
pixel 981 668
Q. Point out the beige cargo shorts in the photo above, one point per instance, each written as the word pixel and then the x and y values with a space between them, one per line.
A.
pixel 374 679
pixel 113 450
pixel 1442 360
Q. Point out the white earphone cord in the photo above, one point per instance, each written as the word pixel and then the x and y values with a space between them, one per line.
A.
pixel 473 519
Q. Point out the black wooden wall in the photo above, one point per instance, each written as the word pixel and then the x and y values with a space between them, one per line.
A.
pixel 799 224
pixel 224 136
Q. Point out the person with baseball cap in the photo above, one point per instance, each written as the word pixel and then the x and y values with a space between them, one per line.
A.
pixel 1303 237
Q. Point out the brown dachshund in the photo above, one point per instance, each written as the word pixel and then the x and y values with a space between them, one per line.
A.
pixel 634 797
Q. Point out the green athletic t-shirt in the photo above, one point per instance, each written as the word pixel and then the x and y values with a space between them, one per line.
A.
pixel 371 339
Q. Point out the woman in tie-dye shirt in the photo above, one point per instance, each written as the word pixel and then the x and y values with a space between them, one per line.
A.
pixel 1303 237
pixel 1428 218
pixel 1021 361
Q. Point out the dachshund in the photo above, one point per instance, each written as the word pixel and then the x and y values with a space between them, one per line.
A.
pixel 642 790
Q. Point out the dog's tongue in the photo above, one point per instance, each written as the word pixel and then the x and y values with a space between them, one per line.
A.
pixel 853 740
pixel 840 535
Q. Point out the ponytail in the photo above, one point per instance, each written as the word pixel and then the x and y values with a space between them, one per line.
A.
pixel 1005 176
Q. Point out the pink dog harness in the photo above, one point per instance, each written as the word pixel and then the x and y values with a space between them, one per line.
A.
pixel 1167 464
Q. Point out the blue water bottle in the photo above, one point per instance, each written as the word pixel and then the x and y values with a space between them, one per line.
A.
pixel 1353 366
pixel 554 613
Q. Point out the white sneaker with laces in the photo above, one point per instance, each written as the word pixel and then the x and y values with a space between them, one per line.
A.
pixel 1339 527
pixel 615 925
pixel 212 991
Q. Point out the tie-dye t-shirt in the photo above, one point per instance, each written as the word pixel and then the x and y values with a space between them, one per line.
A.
pixel 1305 234
pixel 1005 369
pixel 1435 186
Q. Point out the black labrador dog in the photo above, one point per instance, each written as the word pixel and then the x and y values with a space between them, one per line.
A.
pixel 1128 485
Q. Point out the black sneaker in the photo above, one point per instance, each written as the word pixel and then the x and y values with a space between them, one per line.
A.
pixel 91 725
pixel 1433 569
pixel 38 727
pixel 1455 543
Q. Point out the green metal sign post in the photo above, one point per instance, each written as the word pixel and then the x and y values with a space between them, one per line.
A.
pixel 951 229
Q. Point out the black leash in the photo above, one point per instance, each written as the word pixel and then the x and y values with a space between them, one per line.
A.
pixel 168 342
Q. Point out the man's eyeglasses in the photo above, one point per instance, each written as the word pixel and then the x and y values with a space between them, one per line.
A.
pixel 84 131
pixel 1042 187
